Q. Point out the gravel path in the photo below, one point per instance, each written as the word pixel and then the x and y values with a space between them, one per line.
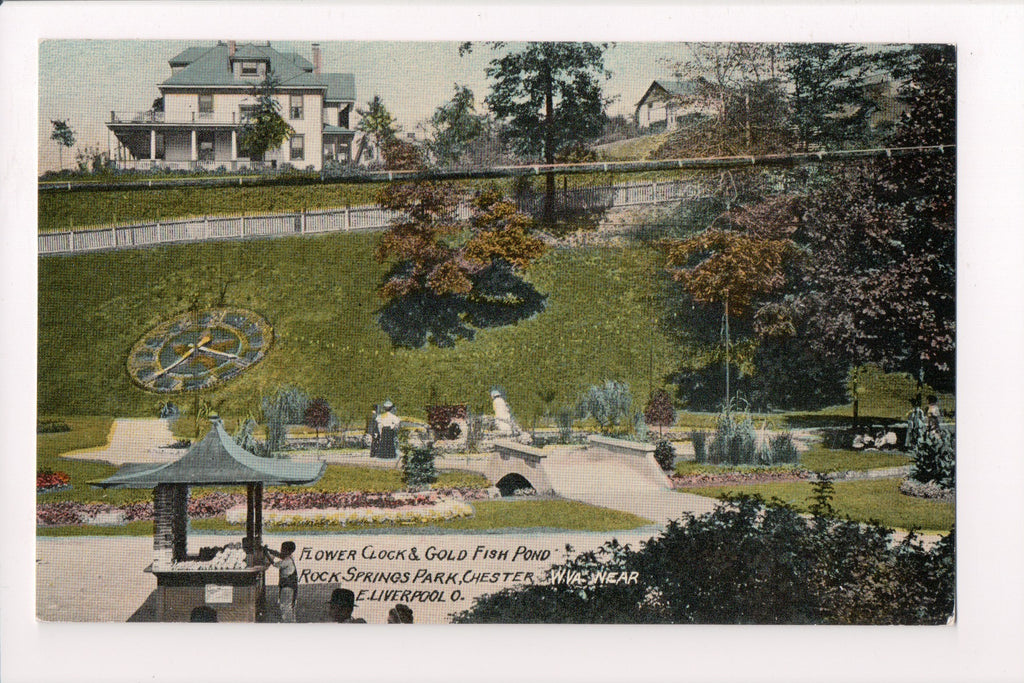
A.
pixel 134 440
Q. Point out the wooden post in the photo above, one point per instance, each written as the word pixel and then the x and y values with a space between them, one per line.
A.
pixel 302 222
pixel 241 226
pixel 250 520
pixel 348 217
pixel 113 232
pixel 206 227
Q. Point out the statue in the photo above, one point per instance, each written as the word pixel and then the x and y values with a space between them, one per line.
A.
pixel 504 424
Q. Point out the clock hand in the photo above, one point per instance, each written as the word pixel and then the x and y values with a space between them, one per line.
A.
pixel 176 363
pixel 220 353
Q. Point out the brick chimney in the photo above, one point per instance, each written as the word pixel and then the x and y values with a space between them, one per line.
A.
pixel 231 49
pixel 316 58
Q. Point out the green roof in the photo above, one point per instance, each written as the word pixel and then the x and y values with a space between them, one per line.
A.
pixel 340 87
pixel 335 130
pixel 211 67
pixel 215 460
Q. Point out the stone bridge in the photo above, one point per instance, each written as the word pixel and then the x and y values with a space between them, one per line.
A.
pixel 606 464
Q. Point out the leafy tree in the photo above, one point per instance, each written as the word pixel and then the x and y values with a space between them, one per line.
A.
pixel 264 128
pixel 732 270
pixel 447 277
pixel 660 411
pixel 455 125
pixel 607 403
pixel 64 137
pixel 550 96
pixel 377 121
pixel 317 415
pixel 829 103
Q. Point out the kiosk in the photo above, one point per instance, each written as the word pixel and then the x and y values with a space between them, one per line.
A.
pixel 231 579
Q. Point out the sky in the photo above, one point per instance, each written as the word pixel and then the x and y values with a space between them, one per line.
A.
pixel 82 81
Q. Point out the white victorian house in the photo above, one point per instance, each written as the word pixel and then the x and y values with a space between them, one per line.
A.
pixel 206 99
pixel 667 104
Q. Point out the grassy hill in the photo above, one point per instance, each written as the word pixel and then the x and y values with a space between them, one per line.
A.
pixel 319 295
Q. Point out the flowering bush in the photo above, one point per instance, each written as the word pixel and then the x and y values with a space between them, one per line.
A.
pixel 47 480
pixel 440 418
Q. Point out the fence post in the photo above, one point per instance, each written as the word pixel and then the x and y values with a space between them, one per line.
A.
pixel 302 222
pixel 241 226
pixel 113 233
pixel 348 217
pixel 206 227
pixel 71 240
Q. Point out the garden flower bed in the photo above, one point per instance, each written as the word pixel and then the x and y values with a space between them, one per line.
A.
pixel 416 512
pixel 733 477
pixel 48 481
pixel 217 503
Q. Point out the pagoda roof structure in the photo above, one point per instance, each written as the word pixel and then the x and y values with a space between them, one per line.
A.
pixel 216 460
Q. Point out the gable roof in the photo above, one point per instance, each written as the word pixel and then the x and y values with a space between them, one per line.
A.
pixel 211 67
pixel 215 460
pixel 340 87
pixel 671 88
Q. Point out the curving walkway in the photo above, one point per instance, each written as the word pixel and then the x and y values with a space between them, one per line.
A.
pixel 133 440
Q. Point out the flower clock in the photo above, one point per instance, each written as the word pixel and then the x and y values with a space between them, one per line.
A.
pixel 199 349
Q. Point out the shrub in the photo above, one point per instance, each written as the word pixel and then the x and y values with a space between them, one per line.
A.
pixel 699 440
pixel 935 459
pixel 440 418
pixel 418 466
pixel 607 403
pixel 564 420
pixel 744 563
pixel 735 442
pixel 51 426
pixel 665 455
pixel 781 450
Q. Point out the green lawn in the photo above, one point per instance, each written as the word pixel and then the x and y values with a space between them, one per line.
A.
pixel 821 459
pixel 633 149
pixel 319 295
pixel 862 501
pixel 488 515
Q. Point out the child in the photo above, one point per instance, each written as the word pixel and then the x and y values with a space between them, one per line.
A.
pixel 934 414
pixel 287 581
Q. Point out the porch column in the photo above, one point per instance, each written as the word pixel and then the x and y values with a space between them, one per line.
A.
pixel 152 144
pixel 195 150
pixel 234 148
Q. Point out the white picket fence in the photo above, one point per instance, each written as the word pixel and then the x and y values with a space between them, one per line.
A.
pixel 346 219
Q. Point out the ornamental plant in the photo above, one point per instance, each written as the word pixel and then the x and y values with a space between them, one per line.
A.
pixel 659 411
pixel 935 459
pixel 665 455
pixel 418 466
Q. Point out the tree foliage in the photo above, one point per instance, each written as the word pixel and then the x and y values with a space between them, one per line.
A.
pixel 454 126
pixel 64 136
pixel 264 128
pixel 317 414
pixel 659 411
pixel 377 121
pixel 448 277
pixel 744 563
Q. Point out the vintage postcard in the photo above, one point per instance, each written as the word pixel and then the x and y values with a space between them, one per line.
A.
pixel 496 332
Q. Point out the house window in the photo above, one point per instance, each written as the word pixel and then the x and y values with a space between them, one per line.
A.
pixel 246 112
pixel 296 106
pixel 250 69
pixel 298 149
pixel 206 104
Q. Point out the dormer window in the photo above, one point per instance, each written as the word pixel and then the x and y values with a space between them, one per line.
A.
pixel 250 69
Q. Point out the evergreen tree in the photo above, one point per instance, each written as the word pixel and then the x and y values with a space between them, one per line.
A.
pixel 264 128
pixel 550 96
pixel 454 126
pixel 377 121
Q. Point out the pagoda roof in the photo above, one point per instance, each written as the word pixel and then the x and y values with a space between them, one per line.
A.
pixel 216 460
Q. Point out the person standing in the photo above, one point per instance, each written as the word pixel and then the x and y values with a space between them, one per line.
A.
pixel 387 427
pixel 287 580
pixel 372 431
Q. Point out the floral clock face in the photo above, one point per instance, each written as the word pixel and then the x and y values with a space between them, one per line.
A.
pixel 197 351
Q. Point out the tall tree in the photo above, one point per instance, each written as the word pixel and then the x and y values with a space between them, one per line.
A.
pixel 454 126
pixel 829 102
pixel 550 96
pixel 64 137
pixel 378 122
pixel 884 238
pixel 264 128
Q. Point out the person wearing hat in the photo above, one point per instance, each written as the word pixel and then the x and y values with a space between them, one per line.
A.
pixel 502 414
pixel 343 601
pixel 400 614
pixel 387 428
